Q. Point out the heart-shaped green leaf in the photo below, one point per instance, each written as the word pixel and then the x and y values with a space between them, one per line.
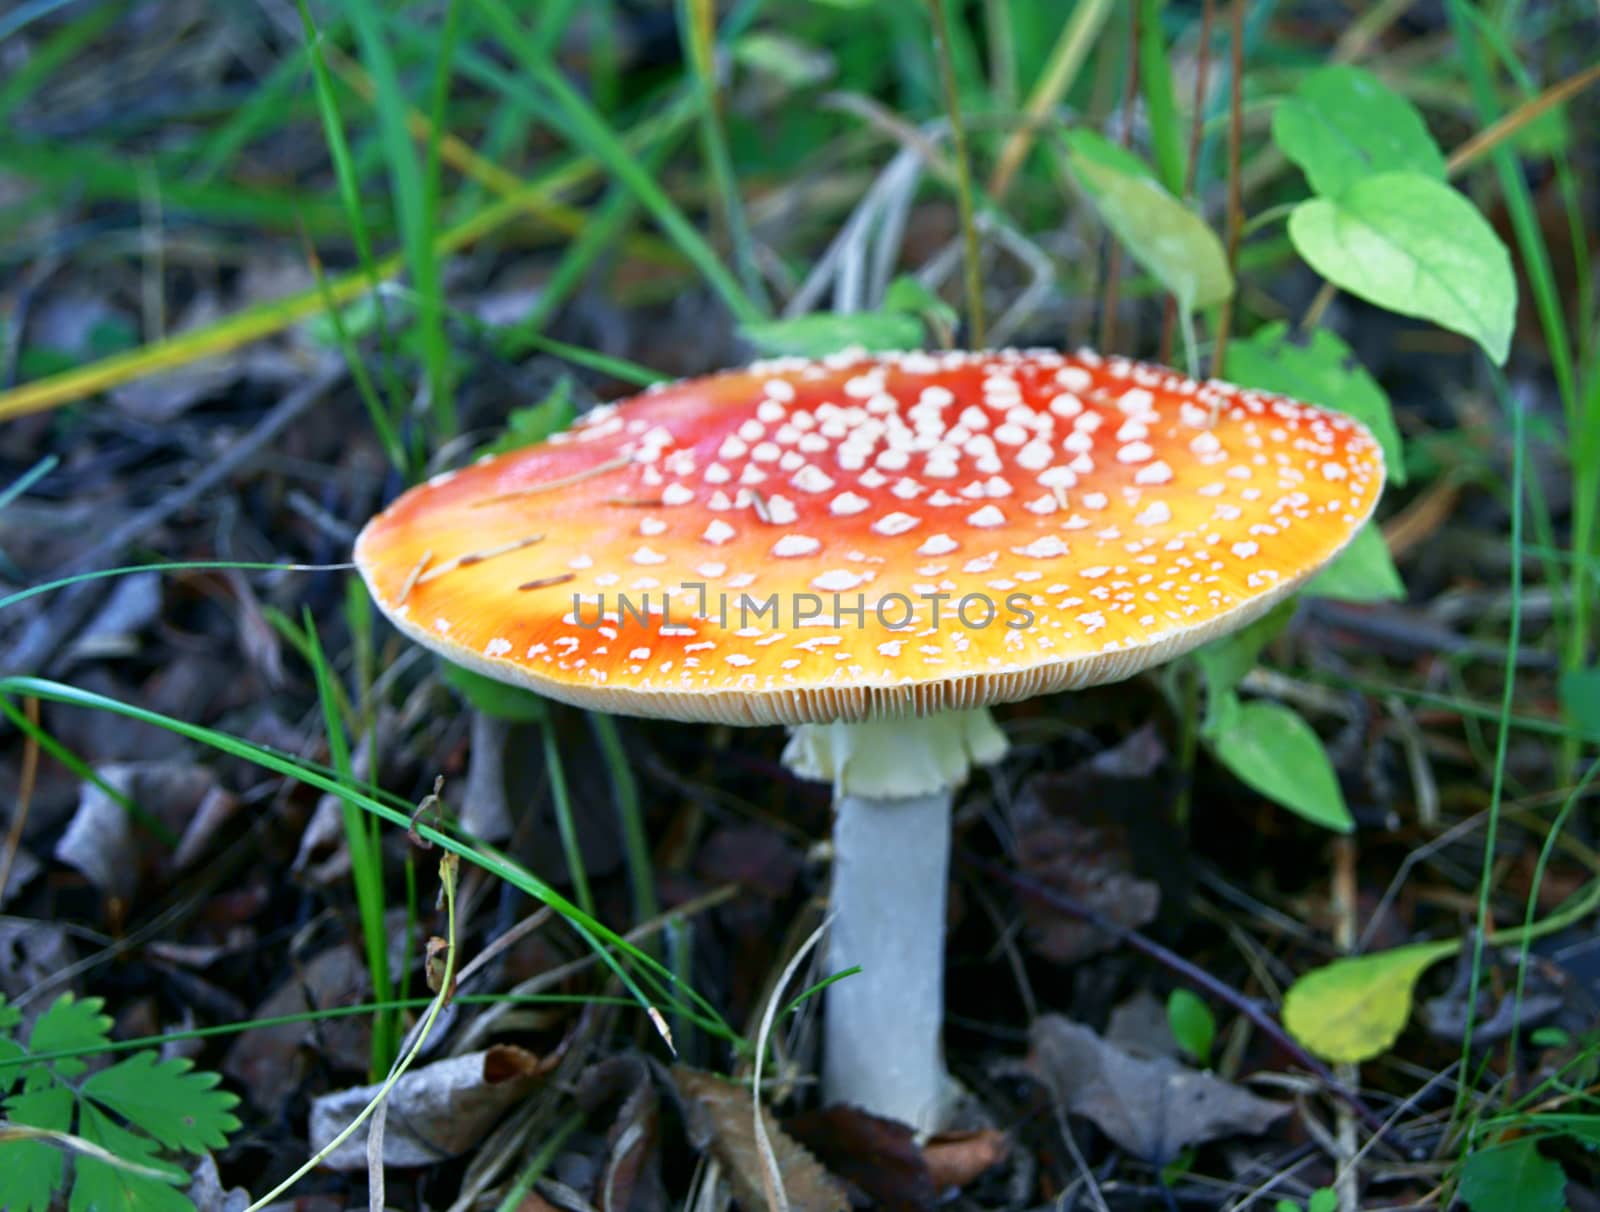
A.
pixel 1343 124
pixel 1413 245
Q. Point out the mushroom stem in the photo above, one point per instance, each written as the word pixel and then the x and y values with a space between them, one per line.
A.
pixel 883 1026
pixel 894 781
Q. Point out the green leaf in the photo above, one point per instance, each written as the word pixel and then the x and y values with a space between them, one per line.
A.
pixel 179 1106
pixel 1343 124
pixel 1514 1177
pixel 1192 1025
pixel 101 1186
pixel 1413 245
pixel 1179 1168
pixel 359 318
pixel 71 1025
pixel 35 1169
pixel 1318 368
pixel 1271 749
pixel 10 1053
pixel 485 694
pixel 793 62
pixel 1226 661
pixel 1092 146
pixel 824 332
pixel 1580 701
pixel 536 422
pixel 1159 232
pixel 10 1049
pixel 1362 572
pixel 1353 1009
pixel 912 297
pixel 1549 1037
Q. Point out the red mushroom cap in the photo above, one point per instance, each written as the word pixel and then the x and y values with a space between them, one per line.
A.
pixel 768 545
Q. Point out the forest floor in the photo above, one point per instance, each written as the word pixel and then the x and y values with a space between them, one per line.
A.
pixel 194 759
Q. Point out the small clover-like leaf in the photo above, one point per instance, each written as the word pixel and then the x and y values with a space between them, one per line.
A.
pixel 1353 1009
pixel 179 1106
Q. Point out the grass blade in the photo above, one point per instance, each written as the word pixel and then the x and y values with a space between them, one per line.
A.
pixel 412 208
pixel 1155 80
pixel 698 21
pixel 587 129
pixel 596 935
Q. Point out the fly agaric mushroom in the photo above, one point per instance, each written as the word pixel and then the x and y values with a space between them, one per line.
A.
pixel 873 549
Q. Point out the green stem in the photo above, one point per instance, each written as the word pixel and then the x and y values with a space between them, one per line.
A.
pixel 564 821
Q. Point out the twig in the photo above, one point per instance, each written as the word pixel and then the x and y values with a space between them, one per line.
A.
pixel 1130 91
pixel 1189 972
pixel 1202 88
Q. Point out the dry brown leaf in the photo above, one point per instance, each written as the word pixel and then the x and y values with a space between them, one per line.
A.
pixel 1152 1108
pixel 105 842
pixel 1139 1026
pixel 268 1061
pixel 1093 833
pixel 721 1117
pixel 434 1113
pixel 631 1178
pixel 954 1159
pixel 875 1155
pixel 24 866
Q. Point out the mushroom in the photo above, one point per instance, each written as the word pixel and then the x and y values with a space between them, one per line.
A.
pixel 872 549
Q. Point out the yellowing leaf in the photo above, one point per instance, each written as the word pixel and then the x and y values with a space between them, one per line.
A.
pixel 1160 232
pixel 1354 1009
